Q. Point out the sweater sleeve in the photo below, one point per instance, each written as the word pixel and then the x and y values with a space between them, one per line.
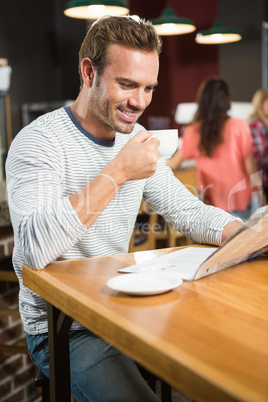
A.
pixel 44 222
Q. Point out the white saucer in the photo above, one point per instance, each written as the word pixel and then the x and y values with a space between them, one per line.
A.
pixel 144 284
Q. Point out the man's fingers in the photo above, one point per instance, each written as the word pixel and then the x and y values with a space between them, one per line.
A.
pixel 145 136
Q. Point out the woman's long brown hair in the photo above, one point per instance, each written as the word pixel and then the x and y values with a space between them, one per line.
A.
pixel 214 101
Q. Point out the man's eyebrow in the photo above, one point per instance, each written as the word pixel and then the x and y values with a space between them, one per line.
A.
pixel 120 79
pixel 129 81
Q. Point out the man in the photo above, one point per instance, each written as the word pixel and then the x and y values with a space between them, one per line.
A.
pixel 76 177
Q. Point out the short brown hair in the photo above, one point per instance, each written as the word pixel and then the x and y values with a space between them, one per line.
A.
pixel 108 30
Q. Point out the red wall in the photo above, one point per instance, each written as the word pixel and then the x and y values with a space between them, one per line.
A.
pixel 183 63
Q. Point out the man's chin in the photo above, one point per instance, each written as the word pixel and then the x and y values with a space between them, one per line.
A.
pixel 125 128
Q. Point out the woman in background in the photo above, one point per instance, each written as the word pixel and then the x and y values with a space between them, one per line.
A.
pixel 222 148
pixel 258 122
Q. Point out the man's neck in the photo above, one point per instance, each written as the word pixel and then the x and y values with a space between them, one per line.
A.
pixel 82 115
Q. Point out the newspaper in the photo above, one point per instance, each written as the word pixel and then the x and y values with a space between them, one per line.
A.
pixel 193 263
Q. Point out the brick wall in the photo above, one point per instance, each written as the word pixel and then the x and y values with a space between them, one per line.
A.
pixel 16 370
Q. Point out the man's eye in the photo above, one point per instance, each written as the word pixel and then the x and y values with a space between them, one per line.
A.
pixel 126 85
pixel 150 89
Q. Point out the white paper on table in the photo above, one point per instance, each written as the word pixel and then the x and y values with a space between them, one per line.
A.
pixel 185 262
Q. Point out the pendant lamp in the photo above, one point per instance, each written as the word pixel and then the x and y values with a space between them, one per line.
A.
pixel 94 9
pixel 217 34
pixel 169 24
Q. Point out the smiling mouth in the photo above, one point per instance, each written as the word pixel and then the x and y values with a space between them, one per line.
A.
pixel 128 116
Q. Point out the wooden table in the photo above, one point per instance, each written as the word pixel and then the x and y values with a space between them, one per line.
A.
pixel 207 338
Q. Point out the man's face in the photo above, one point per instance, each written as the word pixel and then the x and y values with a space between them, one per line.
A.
pixel 120 95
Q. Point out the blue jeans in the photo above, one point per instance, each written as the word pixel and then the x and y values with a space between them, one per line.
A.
pixel 99 372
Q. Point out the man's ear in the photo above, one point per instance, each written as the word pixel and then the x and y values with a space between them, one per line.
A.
pixel 87 71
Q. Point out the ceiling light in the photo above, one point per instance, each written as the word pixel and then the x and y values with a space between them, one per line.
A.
pixel 94 9
pixel 169 24
pixel 217 34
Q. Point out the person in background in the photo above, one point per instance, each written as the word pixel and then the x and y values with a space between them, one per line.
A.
pixel 76 177
pixel 222 148
pixel 258 123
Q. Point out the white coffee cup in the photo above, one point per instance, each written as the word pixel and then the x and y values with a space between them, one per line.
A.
pixel 168 141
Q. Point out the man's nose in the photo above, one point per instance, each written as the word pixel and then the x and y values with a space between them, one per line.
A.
pixel 137 99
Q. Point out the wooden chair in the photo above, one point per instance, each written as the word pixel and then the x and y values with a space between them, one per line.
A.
pixel 151 379
pixel 165 232
pixel 151 230
pixel 143 234
pixel 188 178
pixel 41 381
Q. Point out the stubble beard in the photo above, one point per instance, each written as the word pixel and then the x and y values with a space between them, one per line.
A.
pixel 102 113
pixel 107 120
